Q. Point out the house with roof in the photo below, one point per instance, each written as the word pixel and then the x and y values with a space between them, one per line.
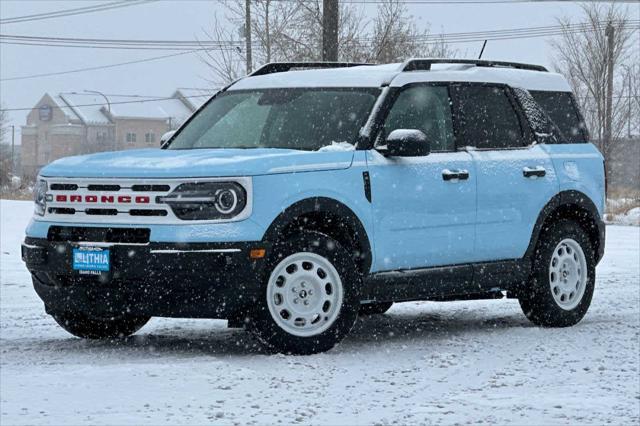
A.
pixel 76 123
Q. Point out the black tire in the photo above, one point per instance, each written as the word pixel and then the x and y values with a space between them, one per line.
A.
pixel 537 301
pixel 265 327
pixel 375 308
pixel 87 327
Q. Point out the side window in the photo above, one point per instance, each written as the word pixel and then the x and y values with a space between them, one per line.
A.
pixel 563 112
pixel 487 118
pixel 425 108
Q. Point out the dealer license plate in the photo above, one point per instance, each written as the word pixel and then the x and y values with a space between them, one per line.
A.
pixel 91 260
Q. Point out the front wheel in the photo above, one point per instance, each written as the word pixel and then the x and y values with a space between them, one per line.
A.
pixel 310 298
pixel 89 327
pixel 563 279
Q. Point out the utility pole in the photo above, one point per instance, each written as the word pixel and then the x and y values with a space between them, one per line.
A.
pixel 247 34
pixel 13 144
pixel 330 11
pixel 608 121
pixel 629 117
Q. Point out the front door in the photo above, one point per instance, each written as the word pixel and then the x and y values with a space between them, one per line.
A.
pixel 424 207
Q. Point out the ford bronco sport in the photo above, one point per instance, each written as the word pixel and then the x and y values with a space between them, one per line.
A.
pixel 305 194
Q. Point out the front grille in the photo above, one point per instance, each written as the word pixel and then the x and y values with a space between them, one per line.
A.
pixel 101 212
pixel 101 235
pixel 103 187
pixel 63 186
pixel 61 210
pixel 143 212
pixel 151 188
pixel 116 201
pixel 124 201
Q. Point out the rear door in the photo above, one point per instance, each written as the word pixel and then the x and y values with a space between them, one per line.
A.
pixel 515 178
pixel 424 207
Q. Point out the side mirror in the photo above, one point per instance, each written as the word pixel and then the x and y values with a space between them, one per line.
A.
pixel 406 143
pixel 165 137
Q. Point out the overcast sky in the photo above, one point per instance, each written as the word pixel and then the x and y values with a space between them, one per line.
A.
pixel 185 20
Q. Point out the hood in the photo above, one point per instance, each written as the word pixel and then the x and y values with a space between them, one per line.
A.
pixel 164 163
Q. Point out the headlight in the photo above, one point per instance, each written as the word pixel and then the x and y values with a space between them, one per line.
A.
pixel 40 197
pixel 206 200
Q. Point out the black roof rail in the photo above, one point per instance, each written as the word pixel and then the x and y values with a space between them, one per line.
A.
pixel 274 67
pixel 425 64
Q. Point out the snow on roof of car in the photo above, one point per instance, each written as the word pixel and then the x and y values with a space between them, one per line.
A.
pixel 526 79
pixel 358 76
pixel 391 74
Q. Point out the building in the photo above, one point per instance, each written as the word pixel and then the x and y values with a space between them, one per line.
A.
pixel 81 123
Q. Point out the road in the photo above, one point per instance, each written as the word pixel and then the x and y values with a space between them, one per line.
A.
pixel 422 363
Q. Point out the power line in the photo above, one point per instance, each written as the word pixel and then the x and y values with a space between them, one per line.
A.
pixel 190 45
pixel 72 12
pixel 112 103
pixel 445 2
pixel 96 68
pixel 121 47
pixel 460 37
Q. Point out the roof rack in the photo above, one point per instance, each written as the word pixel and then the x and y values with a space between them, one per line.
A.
pixel 425 64
pixel 274 67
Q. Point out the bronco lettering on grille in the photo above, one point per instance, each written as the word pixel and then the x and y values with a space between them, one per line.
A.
pixel 108 199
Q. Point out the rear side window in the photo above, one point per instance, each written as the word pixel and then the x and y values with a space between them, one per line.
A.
pixel 562 110
pixel 487 117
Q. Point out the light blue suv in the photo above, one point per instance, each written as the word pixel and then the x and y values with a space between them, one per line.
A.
pixel 306 194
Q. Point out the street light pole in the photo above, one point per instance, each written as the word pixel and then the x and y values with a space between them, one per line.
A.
pixel 103 95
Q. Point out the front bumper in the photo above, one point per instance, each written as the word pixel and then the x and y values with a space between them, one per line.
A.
pixel 195 280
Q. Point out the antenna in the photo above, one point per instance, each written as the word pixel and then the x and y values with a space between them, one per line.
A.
pixel 482 50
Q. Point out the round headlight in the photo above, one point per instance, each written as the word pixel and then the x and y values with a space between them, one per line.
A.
pixel 226 200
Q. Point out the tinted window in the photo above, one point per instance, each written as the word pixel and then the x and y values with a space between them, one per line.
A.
pixel 488 119
pixel 306 119
pixel 563 112
pixel 544 129
pixel 425 108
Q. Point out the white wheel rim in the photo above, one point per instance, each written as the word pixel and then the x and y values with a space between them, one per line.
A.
pixel 304 294
pixel 568 274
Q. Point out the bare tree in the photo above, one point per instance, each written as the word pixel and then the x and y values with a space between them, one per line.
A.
pixel 582 56
pixel 292 31
pixel 4 128
pixel 6 166
pixel 226 60
pixel 396 36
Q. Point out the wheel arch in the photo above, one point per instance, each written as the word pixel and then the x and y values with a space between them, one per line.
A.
pixel 576 206
pixel 330 217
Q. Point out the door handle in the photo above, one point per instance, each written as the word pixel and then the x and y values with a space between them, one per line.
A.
pixel 533 172
pixel 448 175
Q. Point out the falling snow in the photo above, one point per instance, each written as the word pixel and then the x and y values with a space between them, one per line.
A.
pixel 461 362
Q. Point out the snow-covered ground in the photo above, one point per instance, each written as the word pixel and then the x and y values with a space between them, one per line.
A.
pixel 462 362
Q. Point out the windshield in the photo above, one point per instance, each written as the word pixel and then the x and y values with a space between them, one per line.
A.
pixel 305 119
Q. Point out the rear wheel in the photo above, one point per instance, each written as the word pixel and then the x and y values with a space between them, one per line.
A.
pixel 310 301
pixel 88 327
pixel 563 279
pixel 375 308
